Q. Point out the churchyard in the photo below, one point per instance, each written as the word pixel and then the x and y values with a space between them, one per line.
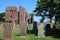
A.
pixel 19 25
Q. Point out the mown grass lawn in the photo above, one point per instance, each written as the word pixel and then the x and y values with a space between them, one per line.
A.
pixel 16 36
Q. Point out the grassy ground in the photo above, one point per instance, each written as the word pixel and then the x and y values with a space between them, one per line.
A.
pixel 16 36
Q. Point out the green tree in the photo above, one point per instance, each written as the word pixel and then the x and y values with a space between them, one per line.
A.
pixel 40 7
pixel 50 6
pixel 1 16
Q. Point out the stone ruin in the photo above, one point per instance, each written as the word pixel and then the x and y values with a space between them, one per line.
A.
pixel 12 14
pixel 23 19
pixel 14 17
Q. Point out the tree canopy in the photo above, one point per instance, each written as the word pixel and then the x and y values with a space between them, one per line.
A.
pixel 50 6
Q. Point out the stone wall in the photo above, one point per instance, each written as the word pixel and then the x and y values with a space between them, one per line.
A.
pixel 13 14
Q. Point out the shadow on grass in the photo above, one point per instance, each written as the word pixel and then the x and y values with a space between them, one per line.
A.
pixel 32 32
pixel 55 33
pixel 18 35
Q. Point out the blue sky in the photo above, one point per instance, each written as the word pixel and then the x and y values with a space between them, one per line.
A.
pixel 29 5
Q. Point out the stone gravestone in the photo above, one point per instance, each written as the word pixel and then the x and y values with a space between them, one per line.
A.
pixel 30 21
pixel 8 25
pixel 41 30
pixel 8 31
pixel 30 26
pixel 23 28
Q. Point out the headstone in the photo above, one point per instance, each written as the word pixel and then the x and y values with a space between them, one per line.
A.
pixel 8 24
pixel 8 31
pixel 22 16
pixel 41 30
pixel 30 26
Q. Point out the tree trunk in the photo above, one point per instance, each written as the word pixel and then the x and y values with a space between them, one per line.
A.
pixel 42 19
pixel 51 22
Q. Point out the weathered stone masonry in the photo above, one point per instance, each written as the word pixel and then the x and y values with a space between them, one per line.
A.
pixel 18 17
pixel 12 14
pixel 23 28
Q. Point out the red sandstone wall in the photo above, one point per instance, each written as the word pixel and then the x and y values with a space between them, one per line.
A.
pixel 12 13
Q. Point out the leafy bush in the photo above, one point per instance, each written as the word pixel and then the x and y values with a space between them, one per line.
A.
pixel 57 25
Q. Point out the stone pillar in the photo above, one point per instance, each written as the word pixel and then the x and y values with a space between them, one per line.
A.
pixel 41 31
pixel 8 31
pixel 22 16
